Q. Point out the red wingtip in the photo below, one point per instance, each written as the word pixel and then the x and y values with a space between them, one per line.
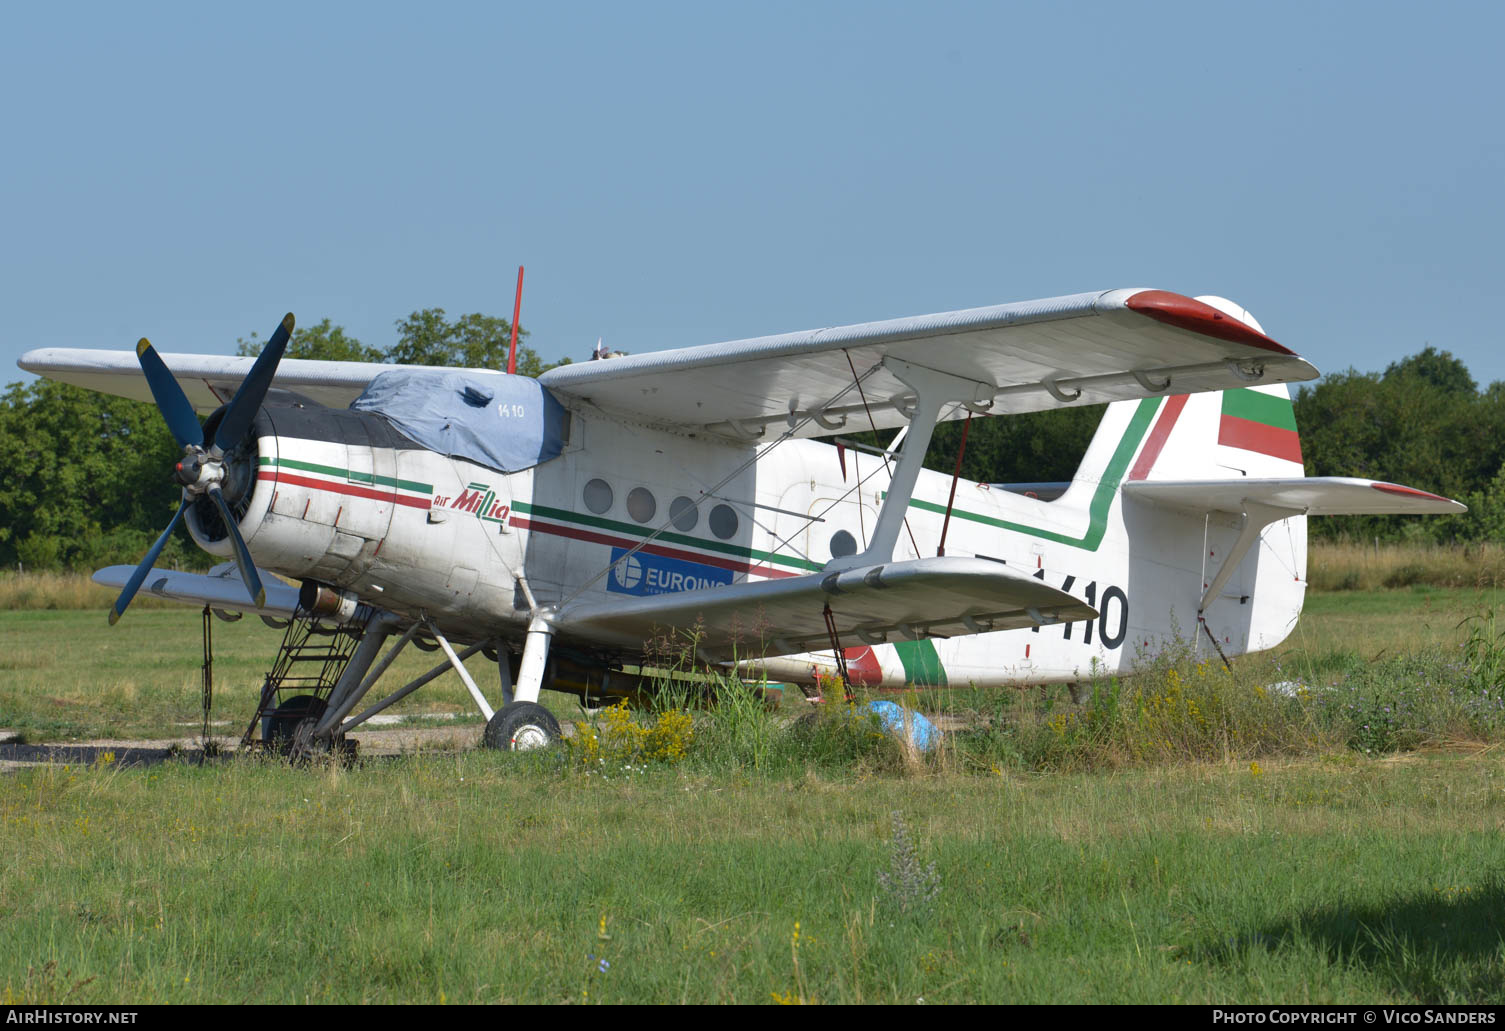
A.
pixel 1407 492
pixel 1186 313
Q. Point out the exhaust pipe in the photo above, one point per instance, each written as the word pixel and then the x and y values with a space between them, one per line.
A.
pixel 318 599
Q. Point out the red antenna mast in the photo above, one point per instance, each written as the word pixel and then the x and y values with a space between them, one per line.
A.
pixel 517 306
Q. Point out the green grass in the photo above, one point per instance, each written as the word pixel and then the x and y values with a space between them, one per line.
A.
pixel 1194 838
pixel 478 878
pixel 67 674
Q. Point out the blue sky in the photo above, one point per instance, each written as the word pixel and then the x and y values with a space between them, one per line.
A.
pixel 679 174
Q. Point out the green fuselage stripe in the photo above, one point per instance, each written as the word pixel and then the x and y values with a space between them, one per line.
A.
pixel 349 474
pixel 1102 498
pixel 566 516
pixel 1269 409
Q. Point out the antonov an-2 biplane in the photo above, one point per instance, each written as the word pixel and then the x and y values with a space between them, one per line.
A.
pixel 561 523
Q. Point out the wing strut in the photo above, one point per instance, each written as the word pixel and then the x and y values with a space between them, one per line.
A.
pixel 857 380
pixel 932 391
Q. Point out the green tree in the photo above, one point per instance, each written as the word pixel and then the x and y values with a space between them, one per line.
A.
pixel 1437 368
pixel 323 341
pixel 425 337
pixel 472 341
pixel 1422 423
pixel 86 477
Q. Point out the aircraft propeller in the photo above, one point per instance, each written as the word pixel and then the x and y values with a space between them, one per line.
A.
pixel 201 470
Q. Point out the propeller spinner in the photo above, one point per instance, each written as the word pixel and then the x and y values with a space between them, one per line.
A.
pixel 202 467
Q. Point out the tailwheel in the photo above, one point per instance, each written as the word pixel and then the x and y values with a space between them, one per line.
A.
pixel 521 727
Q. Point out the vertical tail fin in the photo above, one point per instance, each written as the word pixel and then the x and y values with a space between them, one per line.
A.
pixel 1235 578
pixel 1213 436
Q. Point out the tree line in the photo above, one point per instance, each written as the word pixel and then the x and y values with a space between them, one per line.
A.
pixel 86 476
pixel 1423 422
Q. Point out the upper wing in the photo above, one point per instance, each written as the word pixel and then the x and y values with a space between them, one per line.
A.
pixel 930 597
pixel 210 380
pixel 1091 347
pixel 1311 495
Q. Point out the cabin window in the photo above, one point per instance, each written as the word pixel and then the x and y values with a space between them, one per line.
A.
pixel 683 513
pixel 723 520
pixel 598 496
pixel 641 505
pixel 843 544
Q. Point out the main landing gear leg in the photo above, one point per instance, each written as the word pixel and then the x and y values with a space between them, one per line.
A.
pixel 504 671
pixel 523 724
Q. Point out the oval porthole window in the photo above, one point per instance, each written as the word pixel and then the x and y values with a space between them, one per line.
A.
pixel 843 544
pixel 723 520
pixel 684 513
pixel 640 504
pixel 598 496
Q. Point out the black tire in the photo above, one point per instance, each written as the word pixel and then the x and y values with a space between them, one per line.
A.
pixel 303 749
pixel 521 727
pixel 277 726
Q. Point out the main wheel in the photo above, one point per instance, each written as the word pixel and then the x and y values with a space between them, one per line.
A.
pixel 521 727
pixel 277 726
pixel 303 748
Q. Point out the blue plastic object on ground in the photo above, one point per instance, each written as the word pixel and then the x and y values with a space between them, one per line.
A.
pixel 922 733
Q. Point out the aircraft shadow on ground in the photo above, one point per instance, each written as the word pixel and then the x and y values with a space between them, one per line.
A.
pixel 1446 945
pixel 87 755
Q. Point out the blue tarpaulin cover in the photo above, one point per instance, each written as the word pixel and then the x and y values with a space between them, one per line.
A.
pixel 506 423
pixel 923 734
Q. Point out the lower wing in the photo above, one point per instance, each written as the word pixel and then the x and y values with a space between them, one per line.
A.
pixel 930 597
pixel 221 588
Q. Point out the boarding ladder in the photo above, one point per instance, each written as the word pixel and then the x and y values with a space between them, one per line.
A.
pixel 310 661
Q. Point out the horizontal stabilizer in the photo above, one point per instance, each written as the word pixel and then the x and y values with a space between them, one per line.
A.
pixel 930 597
pixel 221 588
pixel 1301 495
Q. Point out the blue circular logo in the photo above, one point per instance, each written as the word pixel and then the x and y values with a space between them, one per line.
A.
pixel 629 573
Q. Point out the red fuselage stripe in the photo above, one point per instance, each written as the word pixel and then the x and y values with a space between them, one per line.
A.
pixel 575 533
pixel 1256 436
pixel 282 476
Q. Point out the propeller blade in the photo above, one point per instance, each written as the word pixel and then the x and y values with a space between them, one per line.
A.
pixel 253 389
pixel 139 576
pixel 174 405
pixel 242 554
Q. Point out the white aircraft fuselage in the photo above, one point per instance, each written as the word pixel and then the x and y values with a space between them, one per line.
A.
pixel 425 535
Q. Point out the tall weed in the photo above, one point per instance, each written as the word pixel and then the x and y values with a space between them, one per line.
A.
pixel 1178 708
